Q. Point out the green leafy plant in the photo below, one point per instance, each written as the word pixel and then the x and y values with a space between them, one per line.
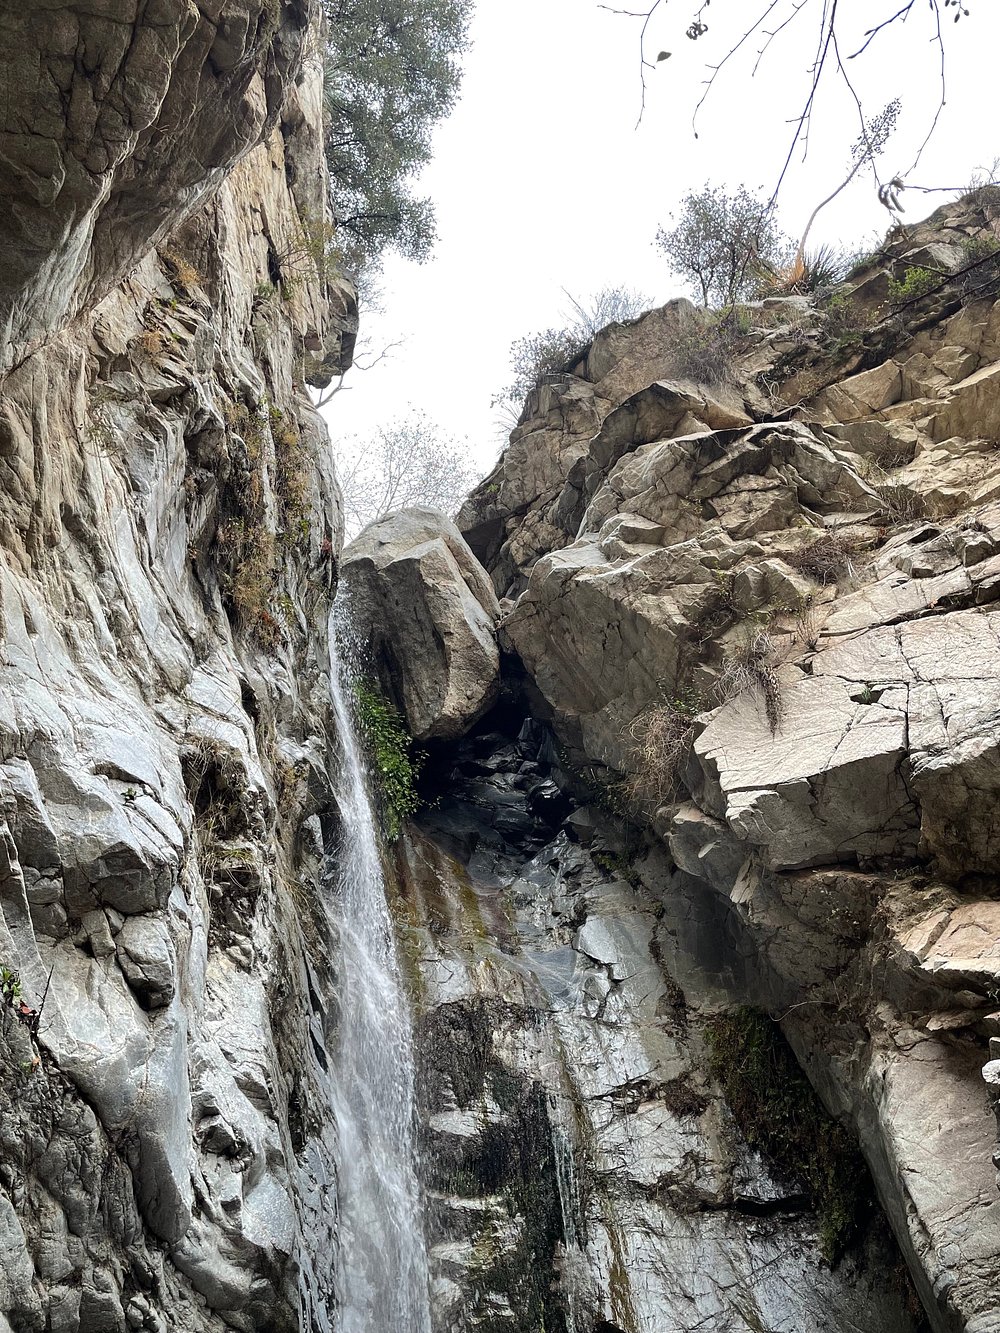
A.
pixel 391 72
pixel 10 984
pixel 780 1115
pixel 393 765
pixel 915 283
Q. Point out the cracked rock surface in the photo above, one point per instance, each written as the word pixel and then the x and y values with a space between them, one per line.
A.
pixel 169 523
pixel 761 614
pixel 583 1169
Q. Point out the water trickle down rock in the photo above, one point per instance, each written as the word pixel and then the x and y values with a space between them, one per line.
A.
pixel 583 1170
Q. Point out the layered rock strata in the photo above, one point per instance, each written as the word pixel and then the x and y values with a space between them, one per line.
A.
pixel 169 524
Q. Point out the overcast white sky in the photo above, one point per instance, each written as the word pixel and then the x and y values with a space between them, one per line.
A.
pixel 542 182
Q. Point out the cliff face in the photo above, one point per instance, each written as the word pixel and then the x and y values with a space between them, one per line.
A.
pixel 760 610
pixel 747 574
pixel 583 1169
pixel 169 523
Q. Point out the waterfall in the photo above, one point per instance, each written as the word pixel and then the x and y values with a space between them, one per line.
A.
pixel 383 1262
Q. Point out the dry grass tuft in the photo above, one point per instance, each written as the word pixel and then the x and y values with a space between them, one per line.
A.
pixel 750 669
pixel 829 558
pixel 661 738
pixel 183 273
pixel 153 342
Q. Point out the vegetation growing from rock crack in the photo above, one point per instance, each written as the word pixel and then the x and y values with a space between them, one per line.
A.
pixel 393 766
pixel 778 1113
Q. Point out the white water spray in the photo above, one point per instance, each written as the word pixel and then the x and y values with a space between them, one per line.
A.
pixel 383 1262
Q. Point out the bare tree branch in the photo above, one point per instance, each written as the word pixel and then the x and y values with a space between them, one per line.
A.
pixel 770 36
pixel 826 15
pixel 716 69
pixel 401 464
pixel 356 364
pixel 944 90
pixel 872 33
pixel 644 64
pixel 873 139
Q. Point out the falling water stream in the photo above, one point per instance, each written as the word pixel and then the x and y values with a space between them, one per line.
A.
pixel 383 1263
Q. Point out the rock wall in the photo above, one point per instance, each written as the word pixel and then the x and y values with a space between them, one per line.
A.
pixel 747 572
pixel 745 751
pixel 169 526
pixel 584 1171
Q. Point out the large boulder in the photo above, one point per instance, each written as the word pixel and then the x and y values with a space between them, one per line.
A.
pixel 425 611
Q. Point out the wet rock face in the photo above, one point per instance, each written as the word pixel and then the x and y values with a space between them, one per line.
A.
pixel 582 1167
pixel 169 523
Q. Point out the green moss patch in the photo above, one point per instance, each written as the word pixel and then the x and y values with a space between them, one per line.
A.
pixel 780 1115
pixel 393 762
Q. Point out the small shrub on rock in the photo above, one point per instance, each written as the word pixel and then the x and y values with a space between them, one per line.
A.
pixel 661 739
pixel 901 504
pixel 539 356
pixel 829 558
pixel 979 277
pixel 705 351
pixel 915 283
pixel 845 324
pixel 183 273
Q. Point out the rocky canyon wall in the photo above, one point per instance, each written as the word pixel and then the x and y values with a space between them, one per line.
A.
pixel 700 915
pixel 169 526
pixel 746 755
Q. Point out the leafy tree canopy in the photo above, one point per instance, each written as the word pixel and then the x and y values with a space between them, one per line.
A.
pixel 392 72
pixel 723 244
